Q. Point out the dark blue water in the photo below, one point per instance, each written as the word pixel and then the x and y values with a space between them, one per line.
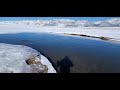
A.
pixel 71 54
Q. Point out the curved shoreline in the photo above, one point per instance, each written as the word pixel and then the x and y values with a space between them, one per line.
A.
pixel 50 66
pixel 23 59
pixel 89 36
pixel 83 35
pixel 103 33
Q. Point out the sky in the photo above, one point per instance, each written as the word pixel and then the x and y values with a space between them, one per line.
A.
pixel 92 19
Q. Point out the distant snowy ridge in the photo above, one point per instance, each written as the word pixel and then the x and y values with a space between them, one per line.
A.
pixel 115 22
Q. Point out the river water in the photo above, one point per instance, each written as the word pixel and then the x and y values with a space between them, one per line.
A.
pixel 71 54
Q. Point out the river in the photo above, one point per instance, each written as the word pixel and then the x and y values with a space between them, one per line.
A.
pixel 71 54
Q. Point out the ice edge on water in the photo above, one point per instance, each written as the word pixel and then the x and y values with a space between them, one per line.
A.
pixel 13 59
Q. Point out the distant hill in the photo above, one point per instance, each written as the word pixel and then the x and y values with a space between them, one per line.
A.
pixel 115 22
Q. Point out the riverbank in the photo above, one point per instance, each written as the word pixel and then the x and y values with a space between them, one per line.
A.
pixel 83 35
pixel 103 33
pixel 23 59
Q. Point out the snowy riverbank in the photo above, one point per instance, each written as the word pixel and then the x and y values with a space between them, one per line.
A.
pixel 15 62
pixel 110 32
pixel 23 59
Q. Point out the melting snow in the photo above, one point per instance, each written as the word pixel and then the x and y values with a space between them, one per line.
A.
pixel 13 59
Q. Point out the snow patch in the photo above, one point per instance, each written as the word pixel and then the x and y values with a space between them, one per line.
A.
pixel 13 59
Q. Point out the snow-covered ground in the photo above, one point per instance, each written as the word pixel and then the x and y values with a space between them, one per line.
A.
pixel 23 59
pixel 13 57
pixel 111 32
